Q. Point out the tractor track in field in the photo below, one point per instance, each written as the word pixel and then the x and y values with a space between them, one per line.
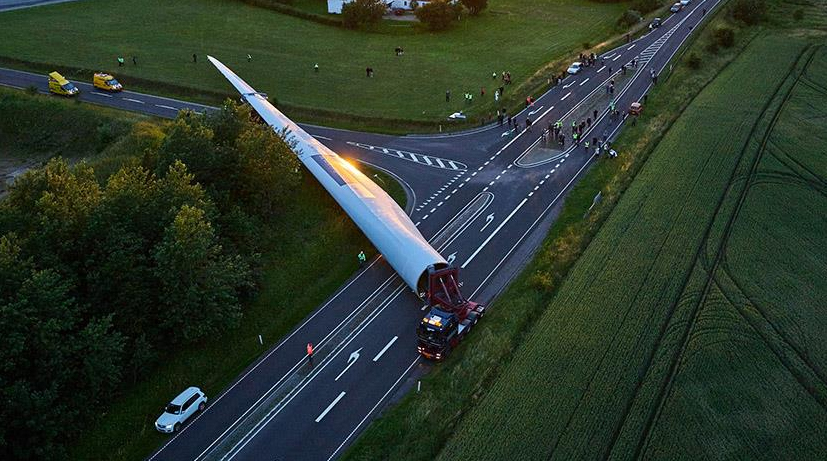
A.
pixel 819 397
pixel 793 178
pixel 666 385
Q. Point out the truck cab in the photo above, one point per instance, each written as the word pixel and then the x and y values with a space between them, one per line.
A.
pixel 450 316
pixel 106 82
pixel 59 85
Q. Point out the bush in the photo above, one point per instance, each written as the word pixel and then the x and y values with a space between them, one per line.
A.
pixel 724 37
pixel 437 15
pixel 646 6
pixel 749 11
pixel 362 13
pixel 630 18
pixel 475 6
pixel 694 61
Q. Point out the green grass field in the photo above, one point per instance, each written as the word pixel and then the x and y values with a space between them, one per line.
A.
pixel 690 328
pixel 515 35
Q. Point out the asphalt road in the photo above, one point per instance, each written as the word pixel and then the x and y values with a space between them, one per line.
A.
pixel 8 5
pixel 468 196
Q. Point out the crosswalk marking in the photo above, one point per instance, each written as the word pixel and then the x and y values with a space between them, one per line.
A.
pixel 427 160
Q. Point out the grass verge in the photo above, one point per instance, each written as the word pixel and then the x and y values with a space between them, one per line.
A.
pixel 419 426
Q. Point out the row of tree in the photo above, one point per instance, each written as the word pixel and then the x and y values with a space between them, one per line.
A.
pixel 435 14
pixel 98 275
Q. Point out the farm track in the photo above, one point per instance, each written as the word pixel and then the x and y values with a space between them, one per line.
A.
pixel 666 385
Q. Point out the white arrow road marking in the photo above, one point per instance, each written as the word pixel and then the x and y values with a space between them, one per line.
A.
pixel 330 407
pixel 452 257
pixel 384 349
pixel 354 356
pixel 488 220
pixel 536 110
pixel 507 133
pixel 583 82
pixel 566 96
pixel 133 100
pixel 493 234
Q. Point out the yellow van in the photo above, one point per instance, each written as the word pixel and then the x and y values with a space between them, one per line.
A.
pixel 106 82
pixel 59 85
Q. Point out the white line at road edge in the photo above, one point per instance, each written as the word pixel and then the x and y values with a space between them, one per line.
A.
pixel 330 407
pixel 474 254
pixel 384 349
pixel 404 373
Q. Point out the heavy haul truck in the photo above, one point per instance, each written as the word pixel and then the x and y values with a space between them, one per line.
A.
pixel 384 223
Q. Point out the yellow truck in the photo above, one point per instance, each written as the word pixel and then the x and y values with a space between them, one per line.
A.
pixel 106 82
pixel 59 85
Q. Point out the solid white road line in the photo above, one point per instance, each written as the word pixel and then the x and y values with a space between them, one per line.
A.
pixel 133 100
pixel 330 407
pixel 484 243
pixel 390 389
pixel 566 96
pixel 384 349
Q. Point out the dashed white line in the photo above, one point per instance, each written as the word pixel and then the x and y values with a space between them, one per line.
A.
pixel 173 108
pixel 384 349
pixel 601 68
pixel 330 407
pixel 583 82
pixel 101 94
pixel 485 242
pixel 133 100
pixel 498 177
pixel 439 204
pixel 616 58
pixel 566 96
pixel 627 49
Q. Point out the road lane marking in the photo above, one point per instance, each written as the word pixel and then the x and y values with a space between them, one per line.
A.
pixel 570 84
pixel 583 82
pixel 601 68
pixel 354 356
pixel 385 349
pixel 330 407
pixel 101 94
pixel 484 243
pixel 133 100
pixel 173 108
pixel 627 49
pixel 566 96
pixel 390 389
pixel 616 58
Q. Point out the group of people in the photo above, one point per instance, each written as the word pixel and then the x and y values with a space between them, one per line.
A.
pixel 588 60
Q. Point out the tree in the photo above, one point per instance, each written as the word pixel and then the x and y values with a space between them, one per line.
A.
pixel 437 15
pixel 475 6
pixel 199 284
pixel 362 13
pixel 269 171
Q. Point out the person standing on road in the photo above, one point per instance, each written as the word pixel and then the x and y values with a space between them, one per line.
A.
pixel 594 114
pixel 310 353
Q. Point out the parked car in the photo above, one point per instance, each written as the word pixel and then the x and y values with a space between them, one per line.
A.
pixel 59 85
pixel 106 82
pixel 676 7
pixel 177 412
pixel 655 23
pixel 575 68
pixel 685 2
pixel 635 108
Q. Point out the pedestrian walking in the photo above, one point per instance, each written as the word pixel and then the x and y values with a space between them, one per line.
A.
pixel 510 121
pixel 362 258
pixel 249 58
pixel 482 91
pixel 316 68
pixel 544 136
pixel 134 60
pixel 528 124
pixel 310 353
pixel 610 70
pixel 597 151
pixel 120 61
pixel 194 58
pixel 494 76
pixel 447 95
pixel 589 122
pixel 586 146
pixel 562 140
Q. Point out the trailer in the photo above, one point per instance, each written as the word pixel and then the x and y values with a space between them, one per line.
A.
pixel 377 215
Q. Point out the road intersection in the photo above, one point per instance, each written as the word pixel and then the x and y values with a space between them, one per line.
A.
pixel 468 195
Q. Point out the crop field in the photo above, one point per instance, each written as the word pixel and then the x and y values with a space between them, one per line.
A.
pixel 519 36
pixel 692 326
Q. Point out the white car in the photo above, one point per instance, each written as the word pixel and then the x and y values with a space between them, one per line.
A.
pixel 575 68
pixel 685 2
pixel 180 410
pixel 676 7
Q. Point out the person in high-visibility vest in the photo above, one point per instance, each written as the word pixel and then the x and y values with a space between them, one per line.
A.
pixel 362 258
pixel 310 353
